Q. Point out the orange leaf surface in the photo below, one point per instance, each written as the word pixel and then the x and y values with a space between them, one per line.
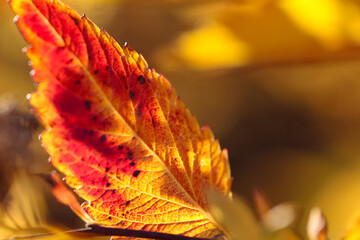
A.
pixel 117 129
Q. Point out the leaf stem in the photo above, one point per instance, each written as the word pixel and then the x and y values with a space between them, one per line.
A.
pixel 95 230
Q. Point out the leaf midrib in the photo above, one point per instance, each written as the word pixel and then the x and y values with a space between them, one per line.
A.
pixel 91 78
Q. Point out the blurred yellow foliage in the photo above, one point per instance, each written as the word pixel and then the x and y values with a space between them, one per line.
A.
pixel 220 49
pixel 25 209
pixel 277 81
pixel 321 19
pixel 269 32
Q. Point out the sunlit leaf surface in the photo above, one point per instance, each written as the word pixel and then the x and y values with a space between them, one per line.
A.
pixel 117 129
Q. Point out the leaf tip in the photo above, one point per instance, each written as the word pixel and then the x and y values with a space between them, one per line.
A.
pixel 225 151
pixel 205 127
pixel 32 73
pixel 262 202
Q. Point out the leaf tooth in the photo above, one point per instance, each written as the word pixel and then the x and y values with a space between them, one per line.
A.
pixel 32 73
pixel 141 62
pixel 24 50
pixel 16 19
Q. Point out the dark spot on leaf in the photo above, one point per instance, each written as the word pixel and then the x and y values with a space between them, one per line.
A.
pixel 120 147
pixel 107 68
pixel 124 170
pixel 107 169
pixel 132 95
pixel 132 164
pixel 127 203
pixel 141 79
pixel 136 173
pixel 77 82
pixel 89 57
pixel 123 214
pixel 95 117
pixel 130 155
pixel 109 218
pixel 87 104
pixel 113 191
pixel 96 72
pixel 108 184
pixel 104 82
pixel 69 61
pixel 123 77
pixel 91 132
pixel 103 138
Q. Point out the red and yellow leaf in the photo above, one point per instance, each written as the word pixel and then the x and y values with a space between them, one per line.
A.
pixel 117 129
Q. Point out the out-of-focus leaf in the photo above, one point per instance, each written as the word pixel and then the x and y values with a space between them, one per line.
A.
pixel 353 234
pixel 281 216
pixel 317 226
pixel 262 202
pixel 222 49
pixel 275 218
pixel 24 208
pixel 66 197
pixel 267 33
pixel 324 25
pixel 235 215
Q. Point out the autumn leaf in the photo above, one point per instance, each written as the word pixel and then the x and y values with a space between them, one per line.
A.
pixel 236 215
pixel 117 129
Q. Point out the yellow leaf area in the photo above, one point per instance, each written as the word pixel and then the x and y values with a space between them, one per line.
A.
pixel 25 212
pixel 117 129
pixel 241 33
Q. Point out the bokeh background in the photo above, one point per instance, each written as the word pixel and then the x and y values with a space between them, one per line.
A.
pixel 276 80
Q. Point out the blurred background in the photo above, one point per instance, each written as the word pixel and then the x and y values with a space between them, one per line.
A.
pixel 276 80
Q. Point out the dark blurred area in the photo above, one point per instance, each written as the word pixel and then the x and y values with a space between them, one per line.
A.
pixel 16 132
pixel 277 81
